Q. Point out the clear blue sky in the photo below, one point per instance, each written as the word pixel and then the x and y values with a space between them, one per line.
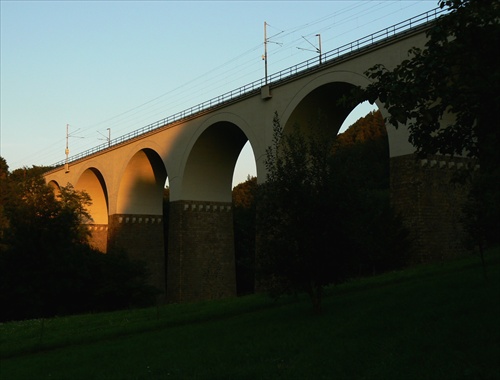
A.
pixel 124 64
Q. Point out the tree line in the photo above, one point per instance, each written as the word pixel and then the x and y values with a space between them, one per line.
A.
pixel 47 266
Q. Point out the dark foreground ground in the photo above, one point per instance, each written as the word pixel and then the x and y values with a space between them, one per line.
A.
pixel 437 321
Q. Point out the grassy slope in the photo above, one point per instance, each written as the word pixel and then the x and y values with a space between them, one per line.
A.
pixel 437 321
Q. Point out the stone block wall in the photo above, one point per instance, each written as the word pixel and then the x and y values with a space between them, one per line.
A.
pixel 99 237
pixel 430 201
pixel 141 237
pixel 201 264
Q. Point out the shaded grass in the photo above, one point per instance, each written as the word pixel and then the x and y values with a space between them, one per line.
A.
pixel 435 322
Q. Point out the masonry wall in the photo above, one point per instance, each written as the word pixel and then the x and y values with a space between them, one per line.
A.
pixel 430 201
pixel 141 237
pixel 99 237
pixel 201 264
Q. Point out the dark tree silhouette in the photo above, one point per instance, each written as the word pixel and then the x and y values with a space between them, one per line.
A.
pixel 244 234
pixel 47 266
pixel 448 94
pixel 318 220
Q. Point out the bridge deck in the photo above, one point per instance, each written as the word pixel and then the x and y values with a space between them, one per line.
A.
pixel 332 57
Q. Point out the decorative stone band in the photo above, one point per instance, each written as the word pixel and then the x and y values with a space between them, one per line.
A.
pixel 98 227
pixel 458 164
pixel 140 219
pixel 207 207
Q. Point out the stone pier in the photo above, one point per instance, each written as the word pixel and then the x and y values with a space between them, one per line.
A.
pixel 141 238
pixel 425 193
pixel 201 264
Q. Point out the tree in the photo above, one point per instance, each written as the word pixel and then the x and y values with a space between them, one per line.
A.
pixel 47 266
pixel 293 245
pixel 457 73
pixel 4 222
pixel 244 234
pixel 360 162
pixel 323 213
pixel 41 235
pixel 447 94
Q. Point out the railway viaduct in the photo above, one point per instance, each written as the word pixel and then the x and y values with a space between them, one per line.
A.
pixel 197 150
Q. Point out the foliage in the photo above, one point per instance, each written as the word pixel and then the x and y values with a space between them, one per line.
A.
pixel 33 210
pixel 244 234
pixel 293 241
pixel 321 218
pixel 47 266
pixel 4 221
pixel 361 161
pixel 363 151
pixel 454 80
pixel 166 225
pixel 371 127
pixel 244 193
pixel 447 95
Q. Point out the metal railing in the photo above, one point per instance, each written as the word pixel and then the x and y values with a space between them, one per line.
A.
pixel 288 73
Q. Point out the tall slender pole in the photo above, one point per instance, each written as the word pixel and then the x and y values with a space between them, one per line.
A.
pixel 265 50
pixel 319 50
pixel 109 137
pixel 67 138
pixel 66 164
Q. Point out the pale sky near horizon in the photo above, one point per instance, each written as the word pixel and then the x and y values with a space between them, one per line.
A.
pixel 125 64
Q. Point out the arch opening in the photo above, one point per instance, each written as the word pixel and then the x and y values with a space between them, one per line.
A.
pixel 245 165
pixel 142 184
pixel 210 166
pixel 92 182
pixel 321 111
pixel 361 110
pixel 359 168
pixel 55 188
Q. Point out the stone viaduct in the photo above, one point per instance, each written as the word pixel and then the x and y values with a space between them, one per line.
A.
pixel 197 149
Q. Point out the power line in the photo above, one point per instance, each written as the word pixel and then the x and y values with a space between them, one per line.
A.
pixel 233 70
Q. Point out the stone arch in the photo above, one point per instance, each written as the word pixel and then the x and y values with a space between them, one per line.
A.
pixel 55 187
pixel 141 186
pixel 316 102
pixel 211 159
pixel 92 182
pixel 319 109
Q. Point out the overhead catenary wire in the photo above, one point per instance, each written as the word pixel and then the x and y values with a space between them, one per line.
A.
pixel 230 73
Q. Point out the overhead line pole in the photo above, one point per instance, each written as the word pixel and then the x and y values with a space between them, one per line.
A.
pixel 264 57
pixel 66 151
pixel 319 50
pixel 316 49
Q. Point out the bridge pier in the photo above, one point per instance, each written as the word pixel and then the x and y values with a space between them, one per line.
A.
pixel 430 202
pixel 201 264
pixel 141 238
pixel 99 237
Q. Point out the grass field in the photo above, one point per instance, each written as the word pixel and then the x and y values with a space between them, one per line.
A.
pixel 438 321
